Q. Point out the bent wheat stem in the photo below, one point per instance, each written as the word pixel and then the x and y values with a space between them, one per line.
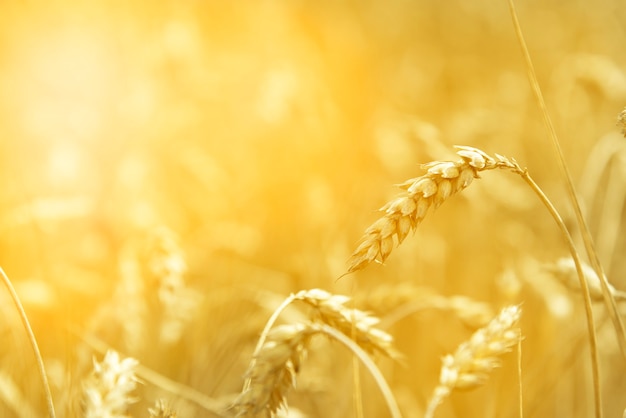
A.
pixel 584 287
pixel 278 362
pixel 609 300
pixel 369 364
pixel 33 342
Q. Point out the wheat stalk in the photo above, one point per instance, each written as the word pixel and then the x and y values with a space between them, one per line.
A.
pixel 32 340
pixel 403 214
pixel 473 360
pixel 609 300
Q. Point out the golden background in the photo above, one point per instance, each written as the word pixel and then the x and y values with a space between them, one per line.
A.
pixel 263 136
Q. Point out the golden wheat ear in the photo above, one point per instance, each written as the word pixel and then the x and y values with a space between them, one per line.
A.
pixel 107 392
pixel 162 410
pixel 621 121
pixel 471 363
pixel 404 214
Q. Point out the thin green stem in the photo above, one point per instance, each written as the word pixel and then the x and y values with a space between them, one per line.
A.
pixel 32 340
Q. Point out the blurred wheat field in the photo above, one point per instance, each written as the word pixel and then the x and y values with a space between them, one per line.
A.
pixel 172 171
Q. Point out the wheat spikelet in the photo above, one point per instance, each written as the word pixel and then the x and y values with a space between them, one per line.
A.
pixel 621 121
pixel 108 390
pixel 469 366
pixel 273 371
pixel 172 303
pixel 403 214
pixel 354 323
pixel 161 410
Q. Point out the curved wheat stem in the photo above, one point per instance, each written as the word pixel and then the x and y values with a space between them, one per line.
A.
pixel 33 342
pixel 473 360
pixel 273 373
pixel 332 310
pixel 403 214
pixel 406 212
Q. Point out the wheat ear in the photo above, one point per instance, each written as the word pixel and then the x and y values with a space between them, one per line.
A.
pixel 273 372
pixel 150 376
pixel 108 390
pixel 332 310
pixel 403 214
pixel 161 410
pixel 356 324
pixel 621 121
pixel 473 360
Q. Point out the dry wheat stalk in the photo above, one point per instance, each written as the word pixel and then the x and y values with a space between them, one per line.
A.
pixel 469 366
pixel 273 371
pixel 403 214
pixel 161 410
pixel 108 390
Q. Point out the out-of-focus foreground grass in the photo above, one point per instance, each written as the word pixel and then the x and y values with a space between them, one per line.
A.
pixel 261 137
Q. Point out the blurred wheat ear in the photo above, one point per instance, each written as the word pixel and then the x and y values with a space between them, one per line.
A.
pixel 473 360
pixel 107 392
